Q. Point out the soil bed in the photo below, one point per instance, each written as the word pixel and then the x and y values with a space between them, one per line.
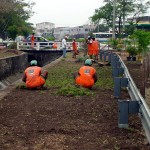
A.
pixel 44 120
pixel 8 53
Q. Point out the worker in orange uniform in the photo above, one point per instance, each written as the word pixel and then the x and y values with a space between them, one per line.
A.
pixel 95 45
pixel 34 76
pixel 74 48
pixel 87 76
pixel 55 45
pixel 90 47
pixel 32 40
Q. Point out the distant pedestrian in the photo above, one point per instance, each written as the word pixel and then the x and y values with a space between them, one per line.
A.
pixel 64 46
pixel 34 76
pixel 32 40
pixel 86 76
pixel 74 48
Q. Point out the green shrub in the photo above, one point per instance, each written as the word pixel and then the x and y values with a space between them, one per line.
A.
pixel 132 50
pixel 13 45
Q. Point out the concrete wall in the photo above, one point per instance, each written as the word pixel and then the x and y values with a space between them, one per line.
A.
pixel 12 65
pixel 16 64
pixel 44 57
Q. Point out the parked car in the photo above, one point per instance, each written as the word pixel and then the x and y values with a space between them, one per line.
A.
pixel 42 41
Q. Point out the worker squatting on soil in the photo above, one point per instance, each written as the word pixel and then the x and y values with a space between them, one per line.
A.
pixel 34 76
pixel 86 76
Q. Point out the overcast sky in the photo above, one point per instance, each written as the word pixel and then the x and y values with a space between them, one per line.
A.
pixel 64 12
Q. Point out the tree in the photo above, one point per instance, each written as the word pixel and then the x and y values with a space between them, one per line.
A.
pixel 104 13
pixel 15 13
pixel 124 9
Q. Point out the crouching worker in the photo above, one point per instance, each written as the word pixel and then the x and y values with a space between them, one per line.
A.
pixel 87 76
pixel 34 76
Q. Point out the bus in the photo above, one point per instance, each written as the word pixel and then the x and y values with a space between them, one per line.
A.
pixel 105 36
pixel 102 36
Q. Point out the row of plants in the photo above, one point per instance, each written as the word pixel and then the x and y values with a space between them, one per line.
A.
pixel 136 44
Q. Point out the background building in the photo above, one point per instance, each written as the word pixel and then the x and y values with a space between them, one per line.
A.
pixel 141 22
pixel 60 32
pixel 44 28
pixel 81 31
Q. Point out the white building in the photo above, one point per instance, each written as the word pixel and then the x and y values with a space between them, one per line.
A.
pixel 84 29
pixel 60 32
pixel 44 27
pixel 77 32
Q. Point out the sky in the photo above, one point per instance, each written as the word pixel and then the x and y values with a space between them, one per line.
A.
pixel 63 13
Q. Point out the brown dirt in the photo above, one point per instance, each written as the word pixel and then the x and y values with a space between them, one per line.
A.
pixel 9 52
pixel 42 120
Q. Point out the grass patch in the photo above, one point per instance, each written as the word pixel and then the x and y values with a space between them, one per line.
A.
pixel 61 78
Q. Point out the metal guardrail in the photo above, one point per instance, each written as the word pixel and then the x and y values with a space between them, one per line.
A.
pixel 137 103
pixel 144 111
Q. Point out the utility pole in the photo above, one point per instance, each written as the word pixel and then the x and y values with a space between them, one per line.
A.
pixel 114 18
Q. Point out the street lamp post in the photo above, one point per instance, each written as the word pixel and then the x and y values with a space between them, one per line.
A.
pixel 114 18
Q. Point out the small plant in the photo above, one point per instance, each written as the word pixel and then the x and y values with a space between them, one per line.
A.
pixel 143 41
pixel 13 45
pixel 132 50
pixel 114 43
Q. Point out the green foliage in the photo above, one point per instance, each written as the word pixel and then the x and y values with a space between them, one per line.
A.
pixel 129 30
pixel 114 43
pixel 13 45
pixel 104 13
pixel 71 90
pixel 12 31
pixel 124 9
pixel 51 38
pixel 80 40
pixel 132 50
pixel 143 40
pixel 105 80
pixel 13 18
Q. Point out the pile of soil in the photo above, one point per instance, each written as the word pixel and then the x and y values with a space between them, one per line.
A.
pixel 42 120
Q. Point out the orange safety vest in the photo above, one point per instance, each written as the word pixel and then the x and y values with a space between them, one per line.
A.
pixel 32 38
pixel 90 47
pixel 74 46
pixel 85 78
pixel 95 47
pixel 55 46
pixel 33 78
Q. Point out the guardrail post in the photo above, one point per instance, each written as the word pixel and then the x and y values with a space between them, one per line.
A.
pixel 118 83
pixel 109 57
pixel 114 57
pixel 117 71
pixel 101 55
pixel 105 55
pixel 115 63
pixel 126 107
